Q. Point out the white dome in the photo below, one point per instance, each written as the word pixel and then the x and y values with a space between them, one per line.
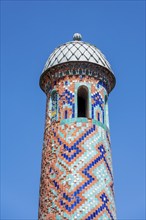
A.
pixel 76 51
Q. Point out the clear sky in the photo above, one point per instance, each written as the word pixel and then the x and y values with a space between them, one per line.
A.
pixel 30 31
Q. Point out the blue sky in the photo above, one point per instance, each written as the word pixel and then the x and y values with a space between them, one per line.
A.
pixel 30 31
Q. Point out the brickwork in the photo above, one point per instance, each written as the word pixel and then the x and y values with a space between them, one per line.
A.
pixel 77 176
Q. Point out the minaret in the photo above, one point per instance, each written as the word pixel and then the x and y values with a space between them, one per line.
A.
pixel 76 174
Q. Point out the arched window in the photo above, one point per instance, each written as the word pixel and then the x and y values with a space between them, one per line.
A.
pixel 105 99
pixel 83 102
pixel 54 102
pixel 106 119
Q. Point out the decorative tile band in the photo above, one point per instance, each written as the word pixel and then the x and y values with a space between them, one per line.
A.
pixel 81 69
pixel 85 120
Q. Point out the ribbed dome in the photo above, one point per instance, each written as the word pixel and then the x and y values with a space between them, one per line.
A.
pixel 76 51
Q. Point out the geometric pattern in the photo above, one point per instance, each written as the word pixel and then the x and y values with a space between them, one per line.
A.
pixel 76 173
pixel 67 100
pixel 80 178
pixel 82 68
pixel 98 103
pixel 76 51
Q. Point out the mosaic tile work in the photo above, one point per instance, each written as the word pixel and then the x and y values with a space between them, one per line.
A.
pixel 77 176
pixel 67 101
pixel 54 103
pixel 80 69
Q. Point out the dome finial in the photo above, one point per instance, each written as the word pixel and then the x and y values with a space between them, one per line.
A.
pixel 77 37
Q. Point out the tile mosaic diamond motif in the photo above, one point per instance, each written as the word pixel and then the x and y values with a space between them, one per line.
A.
pixel 79 51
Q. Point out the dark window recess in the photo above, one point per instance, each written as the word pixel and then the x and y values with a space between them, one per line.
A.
pixel 106 98
pixel 83 106
pixel 103 117
pixel 98 116
pixel 65 114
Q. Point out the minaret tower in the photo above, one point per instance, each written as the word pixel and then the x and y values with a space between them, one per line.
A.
pixel 76 174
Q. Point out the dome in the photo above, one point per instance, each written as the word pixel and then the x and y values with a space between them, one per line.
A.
pixel 76 50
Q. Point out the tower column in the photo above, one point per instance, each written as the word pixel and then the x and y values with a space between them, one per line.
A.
pixel 76 173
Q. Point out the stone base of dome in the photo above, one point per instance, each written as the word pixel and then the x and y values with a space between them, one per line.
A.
pixel 77 68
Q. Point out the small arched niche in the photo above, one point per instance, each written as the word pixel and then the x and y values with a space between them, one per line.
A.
pixel 83 102
pixel 105 99
pixel 54 103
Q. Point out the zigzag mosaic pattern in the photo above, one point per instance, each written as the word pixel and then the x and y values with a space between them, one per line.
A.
pixel 77 176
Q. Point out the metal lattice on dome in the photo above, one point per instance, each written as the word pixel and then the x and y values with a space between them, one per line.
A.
pixel 76 50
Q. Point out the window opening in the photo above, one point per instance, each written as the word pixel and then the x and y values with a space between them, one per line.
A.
pixel 82 99
pixel 65 114
pixel 98 116
pixel 106 98
pixel 54 105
